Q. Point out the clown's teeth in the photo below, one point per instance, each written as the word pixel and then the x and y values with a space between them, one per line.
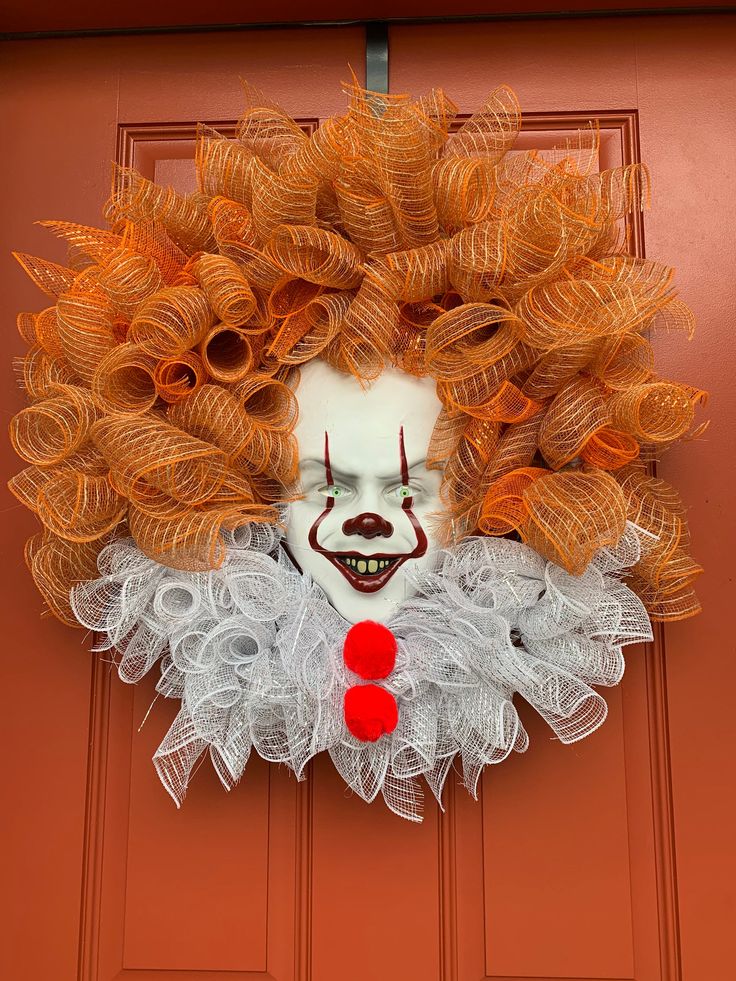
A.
pixel 367 567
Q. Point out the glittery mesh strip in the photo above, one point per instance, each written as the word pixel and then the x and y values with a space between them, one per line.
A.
pixel 253 652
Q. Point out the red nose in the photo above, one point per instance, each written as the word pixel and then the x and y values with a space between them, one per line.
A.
pixel 368 525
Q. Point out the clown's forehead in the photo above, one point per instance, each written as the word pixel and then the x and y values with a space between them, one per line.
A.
pixel 363 422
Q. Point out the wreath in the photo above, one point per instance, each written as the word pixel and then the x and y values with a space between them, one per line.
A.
pixel 163 464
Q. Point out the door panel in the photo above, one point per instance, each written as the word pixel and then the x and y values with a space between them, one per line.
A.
pixel 566 834
pixel 572 863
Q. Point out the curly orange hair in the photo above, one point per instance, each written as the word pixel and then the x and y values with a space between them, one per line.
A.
pixel 161 398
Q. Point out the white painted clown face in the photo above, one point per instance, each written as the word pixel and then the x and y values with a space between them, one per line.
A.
pixel 368 499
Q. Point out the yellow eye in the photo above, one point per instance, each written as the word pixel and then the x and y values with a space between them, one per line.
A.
pixel 404 491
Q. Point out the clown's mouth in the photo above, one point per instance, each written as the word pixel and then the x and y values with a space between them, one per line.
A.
pixel 366 573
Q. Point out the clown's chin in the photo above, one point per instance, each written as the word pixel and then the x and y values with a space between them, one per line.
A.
pixel 357 595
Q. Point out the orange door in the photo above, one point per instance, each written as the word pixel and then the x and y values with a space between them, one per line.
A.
pixel 600 861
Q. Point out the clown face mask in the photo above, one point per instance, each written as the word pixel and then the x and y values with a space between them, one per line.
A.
pixel 368 499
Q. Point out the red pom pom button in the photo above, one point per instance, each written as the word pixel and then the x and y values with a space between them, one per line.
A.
pixel 370 650
pixel 370 711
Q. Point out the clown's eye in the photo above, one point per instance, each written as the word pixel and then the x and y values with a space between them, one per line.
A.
pixel 335 491
pixel 403 492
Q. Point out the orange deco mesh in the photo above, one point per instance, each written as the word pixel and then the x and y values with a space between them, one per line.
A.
pixel 160 380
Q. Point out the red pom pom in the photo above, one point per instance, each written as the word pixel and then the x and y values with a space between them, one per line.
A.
pixel 370 650
pixel 370 712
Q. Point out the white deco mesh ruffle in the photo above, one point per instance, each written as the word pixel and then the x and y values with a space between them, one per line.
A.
pixel 254 652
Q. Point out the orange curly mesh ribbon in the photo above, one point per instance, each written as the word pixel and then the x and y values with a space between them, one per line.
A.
pixel 162 403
